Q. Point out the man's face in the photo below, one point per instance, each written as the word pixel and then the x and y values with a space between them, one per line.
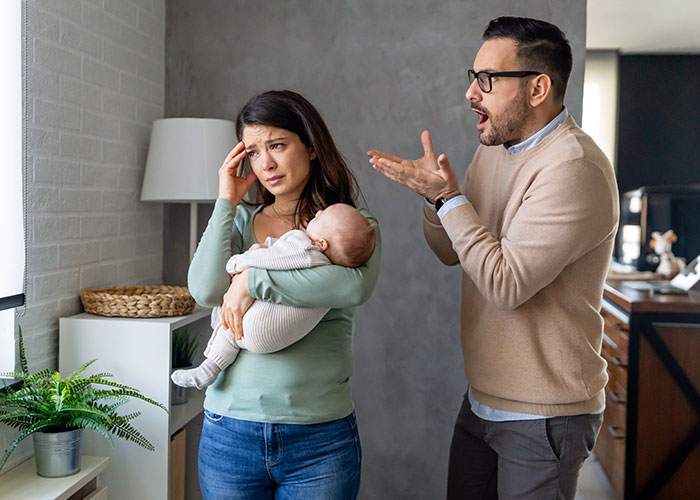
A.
pixel 504 111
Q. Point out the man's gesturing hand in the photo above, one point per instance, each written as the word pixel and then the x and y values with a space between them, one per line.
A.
pixel 428 176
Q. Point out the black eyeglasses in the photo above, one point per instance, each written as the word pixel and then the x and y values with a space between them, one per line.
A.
pixel 483 78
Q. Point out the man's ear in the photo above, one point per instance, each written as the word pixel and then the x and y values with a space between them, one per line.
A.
pixel 540 88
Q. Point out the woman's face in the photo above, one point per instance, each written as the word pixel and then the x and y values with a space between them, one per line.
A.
pixel 281 162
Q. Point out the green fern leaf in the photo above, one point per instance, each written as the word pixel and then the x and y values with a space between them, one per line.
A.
pixel 48 400
pixel 23 435
pixel 22 354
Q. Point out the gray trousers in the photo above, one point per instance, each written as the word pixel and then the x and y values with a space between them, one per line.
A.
pixel 524 459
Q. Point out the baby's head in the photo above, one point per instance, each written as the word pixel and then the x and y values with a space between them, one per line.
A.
pixel 343 234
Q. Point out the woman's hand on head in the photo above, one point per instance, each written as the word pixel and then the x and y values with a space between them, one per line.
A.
pixel 232 185
pixel 237 301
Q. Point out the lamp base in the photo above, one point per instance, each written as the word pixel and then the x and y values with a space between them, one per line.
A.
pixel 193 229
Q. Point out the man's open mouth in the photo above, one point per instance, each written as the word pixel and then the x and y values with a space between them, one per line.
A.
pixel 483 117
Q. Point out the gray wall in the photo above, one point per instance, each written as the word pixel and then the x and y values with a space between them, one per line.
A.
pixel 379 72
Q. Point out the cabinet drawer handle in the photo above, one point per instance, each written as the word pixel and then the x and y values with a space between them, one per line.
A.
pixel 616 361
pixel 612 430
pixel 614 398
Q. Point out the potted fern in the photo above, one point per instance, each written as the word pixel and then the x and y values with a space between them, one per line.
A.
pixel 184 346
pixel 55 410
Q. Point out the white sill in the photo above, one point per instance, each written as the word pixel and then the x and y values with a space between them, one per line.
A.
pixel 22 482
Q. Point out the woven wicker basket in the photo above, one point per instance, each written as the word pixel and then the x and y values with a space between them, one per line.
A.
pixel 142 301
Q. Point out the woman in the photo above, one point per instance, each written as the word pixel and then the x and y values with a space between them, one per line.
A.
pixel 281 425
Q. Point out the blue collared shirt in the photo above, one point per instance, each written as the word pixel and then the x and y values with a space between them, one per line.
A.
pixel 531 141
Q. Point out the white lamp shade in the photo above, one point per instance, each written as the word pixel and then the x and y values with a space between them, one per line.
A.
pixel 184 159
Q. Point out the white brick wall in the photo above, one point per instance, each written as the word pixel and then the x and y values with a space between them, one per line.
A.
pixel 96 71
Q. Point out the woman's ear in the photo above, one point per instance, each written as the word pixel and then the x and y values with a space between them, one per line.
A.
pixel 312 153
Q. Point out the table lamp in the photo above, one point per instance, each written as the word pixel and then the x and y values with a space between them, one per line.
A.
pixel 183 162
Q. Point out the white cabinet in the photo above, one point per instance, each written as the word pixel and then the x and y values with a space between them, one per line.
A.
pixel 137 352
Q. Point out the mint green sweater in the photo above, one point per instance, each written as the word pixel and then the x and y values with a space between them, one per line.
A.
pixel 309 381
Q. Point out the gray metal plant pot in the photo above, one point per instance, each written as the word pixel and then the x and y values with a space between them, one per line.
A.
pixel 57 454
pixel 179 395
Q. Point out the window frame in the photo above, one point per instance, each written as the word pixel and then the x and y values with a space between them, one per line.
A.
pixel 17 300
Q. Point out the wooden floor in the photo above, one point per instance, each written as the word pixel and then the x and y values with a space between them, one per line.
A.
pixel 592 482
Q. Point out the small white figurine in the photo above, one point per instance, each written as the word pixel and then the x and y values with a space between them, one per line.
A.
pixel 669 264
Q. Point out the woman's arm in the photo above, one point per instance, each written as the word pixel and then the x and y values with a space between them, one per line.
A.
pixel 323 286
pixel 207 278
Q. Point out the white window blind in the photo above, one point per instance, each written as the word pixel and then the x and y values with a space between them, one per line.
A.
pixel 12 252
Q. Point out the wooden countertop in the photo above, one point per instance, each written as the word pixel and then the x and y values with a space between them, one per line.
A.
pixel 642 301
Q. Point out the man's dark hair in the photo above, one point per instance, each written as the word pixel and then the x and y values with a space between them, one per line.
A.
pixel 541 47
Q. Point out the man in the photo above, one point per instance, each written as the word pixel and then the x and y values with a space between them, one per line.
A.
pixel 533 229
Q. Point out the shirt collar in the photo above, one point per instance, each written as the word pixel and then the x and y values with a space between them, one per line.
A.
pixel 538 136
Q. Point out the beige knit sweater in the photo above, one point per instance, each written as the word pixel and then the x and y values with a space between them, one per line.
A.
pixel 534 242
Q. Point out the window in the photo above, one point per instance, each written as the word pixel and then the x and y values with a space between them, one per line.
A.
pixel 12 250
pixel 600 101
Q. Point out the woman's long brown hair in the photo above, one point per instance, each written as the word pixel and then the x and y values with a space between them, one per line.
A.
pixel 330 179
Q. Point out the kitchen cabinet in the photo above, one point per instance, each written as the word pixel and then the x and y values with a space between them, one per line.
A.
pixel 648 445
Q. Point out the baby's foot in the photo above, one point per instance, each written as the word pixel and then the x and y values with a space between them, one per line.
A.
pixel 202 376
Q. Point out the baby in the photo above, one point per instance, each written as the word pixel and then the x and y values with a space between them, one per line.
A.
pixel 338 235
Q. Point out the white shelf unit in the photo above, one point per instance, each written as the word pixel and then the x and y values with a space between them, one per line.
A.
pixel 22 482
pixel 138 353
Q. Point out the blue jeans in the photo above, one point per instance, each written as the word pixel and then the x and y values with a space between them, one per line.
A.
pixel 239 459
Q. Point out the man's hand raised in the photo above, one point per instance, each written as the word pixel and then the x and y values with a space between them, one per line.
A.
pixel 428 176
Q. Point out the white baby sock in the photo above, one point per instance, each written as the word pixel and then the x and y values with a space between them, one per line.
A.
pixel 200 377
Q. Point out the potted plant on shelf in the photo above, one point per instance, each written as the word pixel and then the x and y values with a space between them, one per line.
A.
pixel 182 357
pixel 55 410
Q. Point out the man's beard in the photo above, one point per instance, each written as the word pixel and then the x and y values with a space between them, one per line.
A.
pixel 513 118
